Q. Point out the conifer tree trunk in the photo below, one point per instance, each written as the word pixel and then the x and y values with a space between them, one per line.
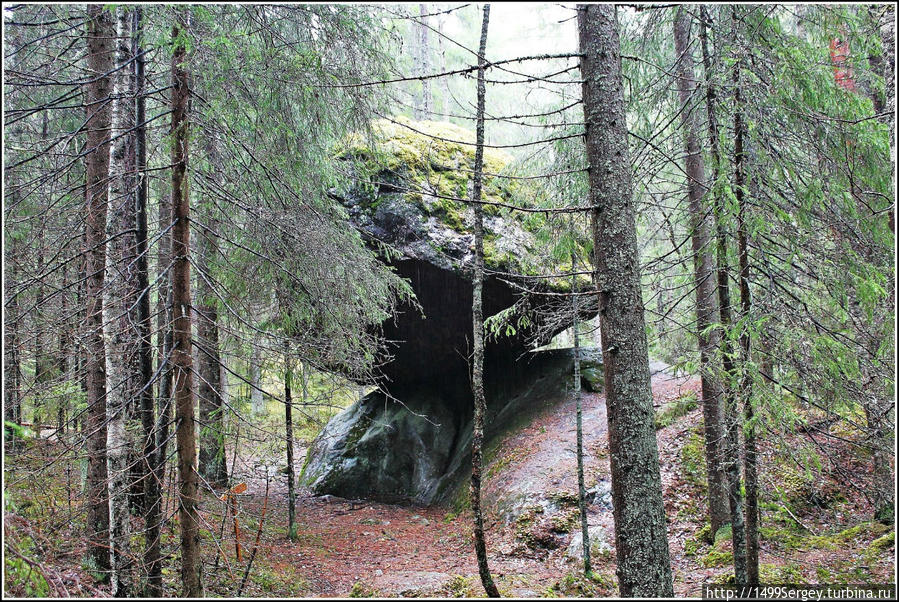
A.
pixel 644 568
pixel 750 464
pixel 477 310
pixel 706 306
pixel 188 478
pixel 100 54
pixel 151 503
pixel 12 406
pixel 581 489
pixel 122 338
pixel 212 439
pixel 163 410
pixel 731 442
pixel 288 437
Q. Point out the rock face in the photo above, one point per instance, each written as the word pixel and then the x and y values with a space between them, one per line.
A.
pixel 409 441
pixel 417 448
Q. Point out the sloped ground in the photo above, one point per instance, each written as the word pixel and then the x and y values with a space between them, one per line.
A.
pixel 354 548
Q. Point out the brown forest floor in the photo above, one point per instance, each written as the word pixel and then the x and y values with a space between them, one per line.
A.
pixel 348 548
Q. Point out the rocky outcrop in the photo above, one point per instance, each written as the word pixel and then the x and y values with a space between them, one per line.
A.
pixel 415 448
pixel 409 440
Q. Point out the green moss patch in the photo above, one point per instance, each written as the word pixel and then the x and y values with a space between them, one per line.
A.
pixel 578 585
pixel 676 409
pixel 848 537
pixel 429 165
pixel 693 459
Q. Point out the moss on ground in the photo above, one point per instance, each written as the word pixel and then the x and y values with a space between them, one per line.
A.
pixel 458 587
pixel 578 585
pixel 693 459
pixel 676 409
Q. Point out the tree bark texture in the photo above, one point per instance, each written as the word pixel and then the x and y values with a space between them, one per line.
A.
pixel 100 55
pixel 186 436
pixel 644 567
pixel 121 334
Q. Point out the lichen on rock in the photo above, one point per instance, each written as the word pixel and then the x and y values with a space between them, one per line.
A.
pixel 419 175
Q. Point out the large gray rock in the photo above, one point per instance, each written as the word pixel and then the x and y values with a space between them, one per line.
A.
pixel 417 449
pixel 410 440
pixel 600 543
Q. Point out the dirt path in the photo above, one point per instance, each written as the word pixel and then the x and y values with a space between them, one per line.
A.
pixel 394 550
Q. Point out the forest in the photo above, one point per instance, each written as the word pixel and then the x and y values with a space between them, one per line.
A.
pixel 522 300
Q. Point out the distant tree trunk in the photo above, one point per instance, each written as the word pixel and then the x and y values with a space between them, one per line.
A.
pixel 644 568
pixel 164 342
pixel 444 81
pixel 703 270
pixel 100 54
pixel 188 478
pixel 122 338
pixel 750 464
pixel 41 371
pixel 731 451
pixel 65 346
pixel 13 377
pixel 422 103
pixel 212 439
pixel 257 400
pixel 288 437
pixel 581 489
pixel 477 309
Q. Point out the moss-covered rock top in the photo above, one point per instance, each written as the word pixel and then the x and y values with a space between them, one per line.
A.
pixel 407 185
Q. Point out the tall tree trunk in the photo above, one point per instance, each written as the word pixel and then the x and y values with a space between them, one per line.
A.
pixel 477 310
pixel 152 499
pixel 644 568
pixel 100 54
pixel 288 437
pixel 581 489
pixel 188 479
pixel 212 438
pixel 731 447
pixel 703 271
pixel 750 466
pixel 120 296
pixel 158 459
